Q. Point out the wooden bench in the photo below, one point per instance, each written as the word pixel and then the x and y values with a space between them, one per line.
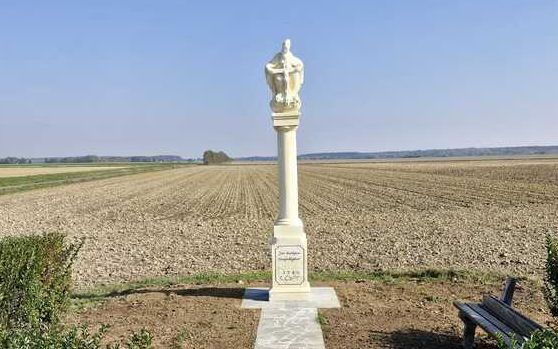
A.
pixel 497 317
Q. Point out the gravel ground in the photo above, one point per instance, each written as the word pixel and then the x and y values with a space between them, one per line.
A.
pixel 482 215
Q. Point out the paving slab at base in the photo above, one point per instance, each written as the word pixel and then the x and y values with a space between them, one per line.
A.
pixel 290 321
pixel 289 329
pixel 319 297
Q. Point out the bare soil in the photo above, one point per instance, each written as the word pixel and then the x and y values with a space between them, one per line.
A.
pixel 407 315
pixel 489 215
pixel 204 317
pixel 374 314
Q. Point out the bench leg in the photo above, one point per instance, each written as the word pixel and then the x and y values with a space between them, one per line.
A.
pixel 468 333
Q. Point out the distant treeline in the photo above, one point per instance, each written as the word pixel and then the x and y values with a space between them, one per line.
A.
pixel 12 160
pixel 460 152
pixel 211 157
pixel 95 158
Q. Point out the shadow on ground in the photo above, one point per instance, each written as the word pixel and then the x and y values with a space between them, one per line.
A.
pixel 411 339
pixel 218 292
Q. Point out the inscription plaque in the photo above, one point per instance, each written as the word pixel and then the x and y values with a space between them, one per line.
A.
pixel 289 265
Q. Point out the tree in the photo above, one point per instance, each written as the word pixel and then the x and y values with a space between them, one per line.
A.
pixel 210 157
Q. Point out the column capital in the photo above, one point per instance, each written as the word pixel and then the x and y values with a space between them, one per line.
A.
pixel 290 118
pixel 285 128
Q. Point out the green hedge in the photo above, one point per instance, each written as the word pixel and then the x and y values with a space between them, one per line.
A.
pixel 72 338
pixel 35 287
pixel 35 280
pixel 551 278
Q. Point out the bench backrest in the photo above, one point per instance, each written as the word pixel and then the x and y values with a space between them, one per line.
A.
pixel 521 324
pixel 507 292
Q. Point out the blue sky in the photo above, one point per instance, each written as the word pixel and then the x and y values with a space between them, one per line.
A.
pixel 178 77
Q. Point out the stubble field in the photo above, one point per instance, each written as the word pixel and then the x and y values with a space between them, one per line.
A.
pixel 486 215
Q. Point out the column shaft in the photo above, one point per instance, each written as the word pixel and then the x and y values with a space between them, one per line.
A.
pixel 288 181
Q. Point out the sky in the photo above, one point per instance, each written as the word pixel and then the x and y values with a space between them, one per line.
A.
pixel 139 77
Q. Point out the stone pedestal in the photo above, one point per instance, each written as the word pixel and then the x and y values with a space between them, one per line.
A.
pixel 288 245
pixel 289 254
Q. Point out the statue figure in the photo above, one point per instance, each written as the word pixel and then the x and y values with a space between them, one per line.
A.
pixel 285 75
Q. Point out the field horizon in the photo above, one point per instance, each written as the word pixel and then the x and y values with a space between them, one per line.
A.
pixel 359 216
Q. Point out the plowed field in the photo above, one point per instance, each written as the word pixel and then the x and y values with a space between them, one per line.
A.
pixel 489 215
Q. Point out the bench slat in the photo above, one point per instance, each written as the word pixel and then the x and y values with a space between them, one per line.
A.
pixel 484 320
pixel 496 317
pixel 503 327
pixel 510 316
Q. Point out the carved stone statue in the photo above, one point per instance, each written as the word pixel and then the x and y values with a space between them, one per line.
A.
pixel 285 75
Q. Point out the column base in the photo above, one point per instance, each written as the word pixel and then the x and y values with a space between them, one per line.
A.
pixel 291 294
pixel 289 222
pixel 290 271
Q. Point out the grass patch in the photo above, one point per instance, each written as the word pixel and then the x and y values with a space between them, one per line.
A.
pixel 93 296
pixel 9 185
pixel 178 341
pixel 420 275
pixel 320 319
pixel 97 295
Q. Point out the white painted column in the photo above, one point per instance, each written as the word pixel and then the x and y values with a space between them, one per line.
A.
pixel 288 245
pixel 288 180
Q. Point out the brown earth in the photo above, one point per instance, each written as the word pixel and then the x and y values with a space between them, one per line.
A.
pixel 205 317
pixel 402 314
pixel 489 215
pixel 407 315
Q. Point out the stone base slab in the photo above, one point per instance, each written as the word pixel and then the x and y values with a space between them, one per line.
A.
pixel 318 297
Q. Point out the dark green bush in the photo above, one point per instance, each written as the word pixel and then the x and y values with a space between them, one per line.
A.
pixel 35 280
pixel 53 338
pixel 551 278
pixel 543 339
pixel 72 338
pixel 35 286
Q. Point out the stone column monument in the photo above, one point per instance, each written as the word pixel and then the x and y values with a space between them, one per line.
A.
pixel 285 75
pixel 290 308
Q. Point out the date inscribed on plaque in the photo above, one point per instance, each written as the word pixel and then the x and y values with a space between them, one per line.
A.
pixel 289 265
